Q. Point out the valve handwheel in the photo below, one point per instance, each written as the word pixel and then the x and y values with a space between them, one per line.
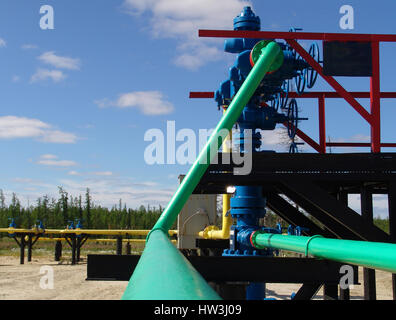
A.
pixel 300 79
pixel 292 122
pixel 311 73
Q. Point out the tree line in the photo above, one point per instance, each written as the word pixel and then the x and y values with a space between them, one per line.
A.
pixel 67 210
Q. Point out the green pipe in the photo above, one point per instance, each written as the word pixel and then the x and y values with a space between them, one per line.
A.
pixel 269 54
pixel 163 273
pixel 374 255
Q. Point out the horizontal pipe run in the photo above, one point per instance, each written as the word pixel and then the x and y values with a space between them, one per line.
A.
pixel 121 232
pixel 374 255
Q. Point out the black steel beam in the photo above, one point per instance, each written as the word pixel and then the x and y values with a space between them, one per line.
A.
pixel 291 215
pixel 312 162
pixel 307 291
pixel 333 226
pixel 330 292
pixel 338 211
pixel 228 269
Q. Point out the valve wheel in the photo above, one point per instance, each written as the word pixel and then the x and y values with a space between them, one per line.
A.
pixel 311 74
pixel 300 79
pixel 293 147
pixel 292 114
pixel 284 96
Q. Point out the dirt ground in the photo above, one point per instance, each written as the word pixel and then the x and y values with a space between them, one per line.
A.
pixel 22 282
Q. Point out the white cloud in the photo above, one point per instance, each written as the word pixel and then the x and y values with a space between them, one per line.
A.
pixel 48 156
pixel 102 173
pixel 73 173
pixel 45 74
pixel 12 127
pixel 52 160
pixel 148 102
pixel 16 78
pixel 56 136
pixel 59 62
pixel 3 44
pixel 181 20
pixel 29 46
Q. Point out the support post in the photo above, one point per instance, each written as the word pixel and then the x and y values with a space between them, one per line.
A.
pixel 342 196
pixel 392 224
pixel 375 99
pixel 73 248
pixel 366 200
pixel 128 248
pixel 322 124
pixel 78 247
pixel 58 250
pixel 119 246
pixel 30 247
pixel 22 249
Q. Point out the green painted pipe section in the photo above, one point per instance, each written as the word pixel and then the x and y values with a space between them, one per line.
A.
pixel 163 273
pixel 197 170
pixel 374 255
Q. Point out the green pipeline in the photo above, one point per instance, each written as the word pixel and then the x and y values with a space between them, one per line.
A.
pixel 163 273
pixel 374 255
pixel 197 170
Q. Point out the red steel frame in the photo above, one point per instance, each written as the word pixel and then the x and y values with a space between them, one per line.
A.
pixel 373 117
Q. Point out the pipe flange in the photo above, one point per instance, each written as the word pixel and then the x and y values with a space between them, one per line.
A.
pixel 256 53
pixel 308 241
pixel 209 229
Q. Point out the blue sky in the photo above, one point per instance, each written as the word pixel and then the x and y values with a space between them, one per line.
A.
pixel 77 100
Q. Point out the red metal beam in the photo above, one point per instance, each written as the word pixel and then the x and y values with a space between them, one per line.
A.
pixel 308 95
pixel 200 95
pixel 306 139
pixel 322 124
pixel 297 35
pixel 375 99
pixel 358 144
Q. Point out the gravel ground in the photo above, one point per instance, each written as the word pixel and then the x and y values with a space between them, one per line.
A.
pixel 22 282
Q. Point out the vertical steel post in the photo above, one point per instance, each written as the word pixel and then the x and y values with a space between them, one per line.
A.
pixel 342 196
pixel 73 247
pixel 392 224
pixel 119 246
pixel 58 250
pixel 322 124
pixel 22 249
pixel 375 99
pixel 30 248
pixel 366 200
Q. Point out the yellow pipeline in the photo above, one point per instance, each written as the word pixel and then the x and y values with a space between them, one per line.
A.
pixel 99 240
pixel 213 232
pixel 83 231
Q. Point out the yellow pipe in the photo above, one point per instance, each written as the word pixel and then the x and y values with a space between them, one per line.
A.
pixel 213 232
pixel 83 231
pixel 100 240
